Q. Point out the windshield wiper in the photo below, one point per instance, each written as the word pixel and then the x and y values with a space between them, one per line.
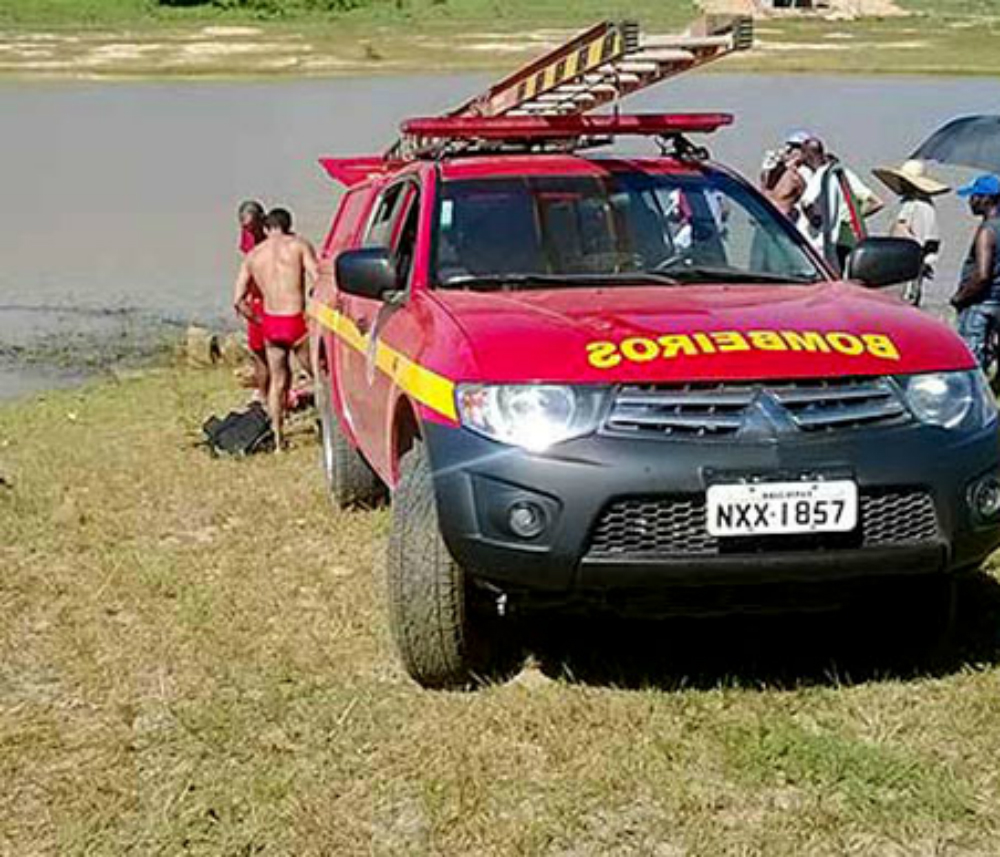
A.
pixel 527 281
pixel 727 274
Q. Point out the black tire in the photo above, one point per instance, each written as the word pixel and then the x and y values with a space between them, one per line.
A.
pixel 350 482
pixel 443 640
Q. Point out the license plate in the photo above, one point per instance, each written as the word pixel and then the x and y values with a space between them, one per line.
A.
pixel 781 508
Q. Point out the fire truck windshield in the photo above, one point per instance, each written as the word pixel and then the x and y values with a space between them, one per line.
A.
pixel 539 231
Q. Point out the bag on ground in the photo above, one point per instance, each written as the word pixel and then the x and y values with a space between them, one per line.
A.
pixel 240 432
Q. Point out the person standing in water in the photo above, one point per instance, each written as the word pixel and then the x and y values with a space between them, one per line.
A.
pixel 280 265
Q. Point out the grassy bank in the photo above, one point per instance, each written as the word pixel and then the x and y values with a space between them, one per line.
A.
pixel 195 659
pixel 127 38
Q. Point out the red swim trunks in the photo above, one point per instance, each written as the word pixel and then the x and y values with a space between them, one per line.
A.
pixel 255 330
pixel 286 330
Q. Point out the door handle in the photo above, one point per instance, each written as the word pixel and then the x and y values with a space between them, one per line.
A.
pixel 363 325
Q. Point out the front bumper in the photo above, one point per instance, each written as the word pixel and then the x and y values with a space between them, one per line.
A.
pixel 904 472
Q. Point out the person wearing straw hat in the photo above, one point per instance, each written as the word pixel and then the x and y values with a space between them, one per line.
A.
pixel 917 217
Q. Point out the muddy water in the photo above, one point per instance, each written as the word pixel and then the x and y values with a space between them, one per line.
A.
pixel 116 225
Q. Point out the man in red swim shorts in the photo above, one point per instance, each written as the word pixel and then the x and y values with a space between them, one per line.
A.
pixel 251 218
pixel 279 266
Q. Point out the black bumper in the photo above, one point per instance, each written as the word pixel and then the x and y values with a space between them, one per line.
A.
pixel 477 481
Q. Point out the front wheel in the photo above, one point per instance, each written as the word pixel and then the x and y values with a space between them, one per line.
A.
pixel 444 641
pixel 350 482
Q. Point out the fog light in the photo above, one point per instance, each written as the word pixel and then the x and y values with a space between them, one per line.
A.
pixel 986 498
pixel 526 520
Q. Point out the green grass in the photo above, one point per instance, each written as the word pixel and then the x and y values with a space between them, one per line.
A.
pixel 137 38
pixel 196 660
pixel 430 13
pixel 953 8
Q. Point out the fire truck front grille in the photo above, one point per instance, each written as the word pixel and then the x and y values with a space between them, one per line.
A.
pixel 707 411
pixel 898 518
pixel 677 527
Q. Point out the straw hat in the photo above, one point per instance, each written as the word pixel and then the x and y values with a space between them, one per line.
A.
pixel 910 176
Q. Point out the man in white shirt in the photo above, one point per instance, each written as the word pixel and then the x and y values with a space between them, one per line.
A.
pixel 836 203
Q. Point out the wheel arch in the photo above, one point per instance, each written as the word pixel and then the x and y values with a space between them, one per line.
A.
pixel 405 429
pixel 324 372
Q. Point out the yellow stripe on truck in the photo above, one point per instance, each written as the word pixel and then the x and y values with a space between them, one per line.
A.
pixel 422 384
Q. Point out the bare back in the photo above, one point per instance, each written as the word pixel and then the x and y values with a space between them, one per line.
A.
pixel 788 190
pixel 279 266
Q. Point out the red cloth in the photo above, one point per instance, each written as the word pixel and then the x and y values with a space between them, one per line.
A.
pixel 255 332
pixel 287 330
pixel 247 240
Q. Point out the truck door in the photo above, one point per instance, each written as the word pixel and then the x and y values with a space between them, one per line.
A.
pixel 366 389
pixel 347 223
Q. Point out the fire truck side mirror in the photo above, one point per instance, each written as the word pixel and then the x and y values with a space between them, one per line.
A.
pixel 367 273
pixel 877 262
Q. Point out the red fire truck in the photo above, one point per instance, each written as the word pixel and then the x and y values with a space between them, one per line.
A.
pixel 604 378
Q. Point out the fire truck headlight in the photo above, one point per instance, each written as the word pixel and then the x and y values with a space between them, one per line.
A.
pixel 950 399
pixel 532 416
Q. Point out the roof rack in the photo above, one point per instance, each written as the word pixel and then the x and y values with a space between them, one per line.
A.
pixel 450 136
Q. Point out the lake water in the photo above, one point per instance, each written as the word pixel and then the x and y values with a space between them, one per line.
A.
pixel 118 207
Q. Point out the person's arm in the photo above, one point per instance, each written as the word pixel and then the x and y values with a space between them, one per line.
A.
pixel 982 272
pixel 902 226
pixel 901 229
pixel 241 292
pixel 310 262
pixel 871 203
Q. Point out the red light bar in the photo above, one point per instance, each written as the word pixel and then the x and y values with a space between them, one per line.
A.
pixel 554 127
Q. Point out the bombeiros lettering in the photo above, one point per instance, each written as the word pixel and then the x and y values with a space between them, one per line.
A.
pixel 645 349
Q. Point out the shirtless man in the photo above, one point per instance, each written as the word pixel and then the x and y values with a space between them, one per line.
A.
pixel 279 266
pixel 789 187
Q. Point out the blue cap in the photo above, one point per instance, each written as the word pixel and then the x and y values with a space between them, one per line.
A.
pixel 985 185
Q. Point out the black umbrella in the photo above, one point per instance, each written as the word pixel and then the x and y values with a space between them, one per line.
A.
pixel 971 141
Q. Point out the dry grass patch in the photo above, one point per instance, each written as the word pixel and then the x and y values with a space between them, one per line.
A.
pixel 195 660
pixel 126 38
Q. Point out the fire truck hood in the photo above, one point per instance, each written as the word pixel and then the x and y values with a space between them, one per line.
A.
pixel 697 333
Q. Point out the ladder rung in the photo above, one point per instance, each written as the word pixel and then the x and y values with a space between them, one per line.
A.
pixel 666 55
pixel 637 67
pixel 687 42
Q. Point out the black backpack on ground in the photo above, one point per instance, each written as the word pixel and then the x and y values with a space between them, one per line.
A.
pixel 240 432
